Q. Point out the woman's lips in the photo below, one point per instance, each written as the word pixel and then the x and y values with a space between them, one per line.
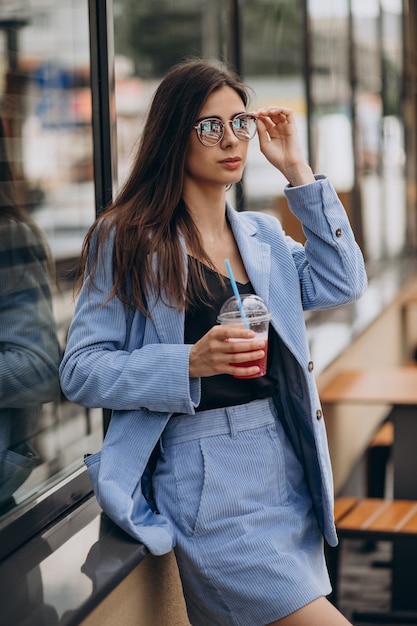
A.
pixel 231 163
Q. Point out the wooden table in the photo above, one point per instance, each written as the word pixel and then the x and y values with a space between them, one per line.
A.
pixel 395 387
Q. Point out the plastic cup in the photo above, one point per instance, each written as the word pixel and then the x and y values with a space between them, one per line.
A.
pixel 257 317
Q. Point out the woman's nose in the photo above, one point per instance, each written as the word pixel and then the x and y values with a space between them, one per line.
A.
pixel 229 137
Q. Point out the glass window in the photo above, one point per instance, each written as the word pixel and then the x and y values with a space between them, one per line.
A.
pixel 272 63
pixel 368 104
pixel 331 110
pixel 393 142
pixel 357 130
pixel 46 206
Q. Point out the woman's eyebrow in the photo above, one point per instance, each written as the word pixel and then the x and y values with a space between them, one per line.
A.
pixel 217 117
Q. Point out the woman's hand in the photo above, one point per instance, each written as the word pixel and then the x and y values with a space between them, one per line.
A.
pixel 279 142
pixel 221 350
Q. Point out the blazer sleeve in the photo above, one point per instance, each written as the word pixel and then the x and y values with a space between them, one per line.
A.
pixel 120 363
pixel 330 264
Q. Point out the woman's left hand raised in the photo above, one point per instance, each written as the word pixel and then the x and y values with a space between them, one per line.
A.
pixel 280 143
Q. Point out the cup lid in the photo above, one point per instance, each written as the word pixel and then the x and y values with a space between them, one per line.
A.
pixel 253 306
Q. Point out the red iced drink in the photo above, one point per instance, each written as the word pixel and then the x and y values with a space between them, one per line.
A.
pixel 256 318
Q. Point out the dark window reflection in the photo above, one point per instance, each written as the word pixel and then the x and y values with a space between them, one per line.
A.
pixel 30 351
pixel 45 110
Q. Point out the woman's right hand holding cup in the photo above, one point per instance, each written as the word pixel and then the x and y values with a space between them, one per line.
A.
pixel 221 350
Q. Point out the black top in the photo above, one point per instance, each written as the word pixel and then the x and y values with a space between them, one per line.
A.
pixel 223 390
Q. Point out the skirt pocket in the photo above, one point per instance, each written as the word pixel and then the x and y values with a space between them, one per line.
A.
pixel 221 481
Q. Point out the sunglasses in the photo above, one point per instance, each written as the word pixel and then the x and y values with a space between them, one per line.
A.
pixel 210 130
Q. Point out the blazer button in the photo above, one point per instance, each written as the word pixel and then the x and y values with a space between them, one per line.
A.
pixel 319 414
pixel 338 232
pixel 310 366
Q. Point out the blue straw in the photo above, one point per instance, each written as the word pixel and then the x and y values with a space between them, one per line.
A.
pixel 236 292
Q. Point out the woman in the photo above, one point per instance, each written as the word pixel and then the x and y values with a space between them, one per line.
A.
pixel 234 473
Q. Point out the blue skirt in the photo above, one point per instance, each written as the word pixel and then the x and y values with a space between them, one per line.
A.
pixel 248 545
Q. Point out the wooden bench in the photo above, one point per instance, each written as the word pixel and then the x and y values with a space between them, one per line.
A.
pixel 370 519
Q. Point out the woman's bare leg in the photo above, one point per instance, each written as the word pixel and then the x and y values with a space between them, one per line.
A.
pixel 320 612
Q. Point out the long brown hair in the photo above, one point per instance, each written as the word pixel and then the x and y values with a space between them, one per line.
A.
pixel 149 213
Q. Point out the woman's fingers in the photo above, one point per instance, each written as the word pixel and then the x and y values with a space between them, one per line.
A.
pixel 274 117
pixel 222 349
pixel 279 142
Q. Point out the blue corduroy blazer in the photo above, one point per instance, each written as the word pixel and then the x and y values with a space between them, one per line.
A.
pixel 138 366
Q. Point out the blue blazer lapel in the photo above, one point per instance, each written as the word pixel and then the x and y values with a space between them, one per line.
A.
pixel 255 254
pixel 256 257
pixel 168 321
